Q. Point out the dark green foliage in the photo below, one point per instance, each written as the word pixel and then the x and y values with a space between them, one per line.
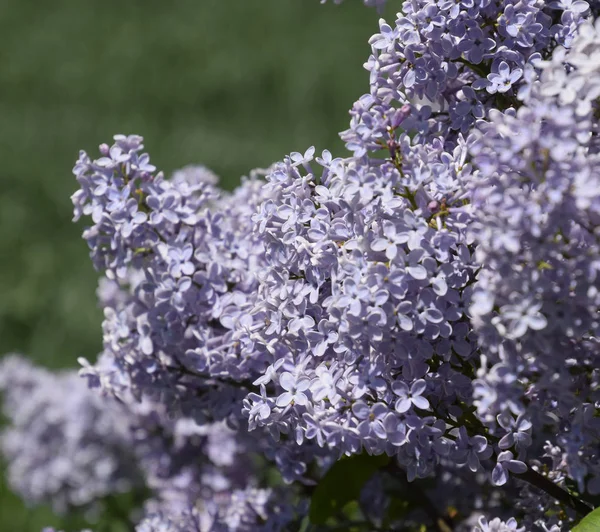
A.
pixel 342 484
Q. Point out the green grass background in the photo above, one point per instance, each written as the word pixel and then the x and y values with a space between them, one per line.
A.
pixel 233 84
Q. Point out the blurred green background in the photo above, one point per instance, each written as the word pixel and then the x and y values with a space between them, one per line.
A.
pixel 231 84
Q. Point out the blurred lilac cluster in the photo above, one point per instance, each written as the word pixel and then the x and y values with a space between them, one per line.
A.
pixel 71 447
pixel 64 444
pixel 433 296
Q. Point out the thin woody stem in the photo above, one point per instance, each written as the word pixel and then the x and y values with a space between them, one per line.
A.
pixel 541 482
pixel 530 476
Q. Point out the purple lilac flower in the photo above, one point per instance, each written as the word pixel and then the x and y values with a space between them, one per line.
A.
pixel 503 79
pixel 409 397
pixel 505 465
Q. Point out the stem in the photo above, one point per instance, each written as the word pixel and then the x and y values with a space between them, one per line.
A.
pixel 243 384
pixel 410 197
pixel 530 476
pixel 541 482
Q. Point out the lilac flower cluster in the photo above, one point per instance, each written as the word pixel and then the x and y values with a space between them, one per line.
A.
pixel 186 260
pixel 362 287
pixel 433 297
pixel 536 301
pixel 450 61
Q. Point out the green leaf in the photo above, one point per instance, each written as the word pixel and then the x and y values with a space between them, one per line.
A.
pixel 590 523
pixel 342 484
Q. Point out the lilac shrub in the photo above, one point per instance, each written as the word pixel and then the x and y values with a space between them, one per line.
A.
pixel 430 298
